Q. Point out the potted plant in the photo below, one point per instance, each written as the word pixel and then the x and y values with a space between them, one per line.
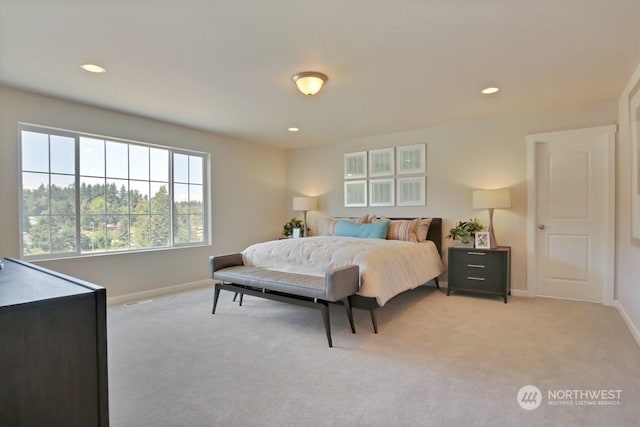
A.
pixel 287 229
pixel 463 233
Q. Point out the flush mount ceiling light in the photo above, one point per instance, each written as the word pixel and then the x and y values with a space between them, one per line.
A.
pixel 490 90
pixel 292 129
pixel 309 82
pixel 93 68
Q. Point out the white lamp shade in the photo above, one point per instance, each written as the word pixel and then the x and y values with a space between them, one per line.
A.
pixel 305 203
pixel 488 199
pixel 309 82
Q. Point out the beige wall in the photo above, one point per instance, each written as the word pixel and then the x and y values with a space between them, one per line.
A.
pixel 627 251
pixel 460 158
pixel 248 191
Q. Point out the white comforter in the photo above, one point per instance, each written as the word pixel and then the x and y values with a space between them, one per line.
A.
pixel 387 267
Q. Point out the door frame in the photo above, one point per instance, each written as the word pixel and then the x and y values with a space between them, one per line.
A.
pixel 532 221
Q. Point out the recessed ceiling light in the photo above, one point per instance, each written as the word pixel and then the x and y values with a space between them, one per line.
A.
pixel 93 68
pixel 293 129
pixel 490 90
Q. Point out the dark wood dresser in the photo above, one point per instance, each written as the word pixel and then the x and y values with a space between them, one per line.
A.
pixel 480 270
pixel 53 349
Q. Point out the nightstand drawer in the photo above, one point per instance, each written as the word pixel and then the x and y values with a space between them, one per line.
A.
pixel 491 273
pixel 476 257
pixel 489 280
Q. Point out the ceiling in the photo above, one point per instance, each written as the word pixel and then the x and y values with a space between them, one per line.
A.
pixel 393 65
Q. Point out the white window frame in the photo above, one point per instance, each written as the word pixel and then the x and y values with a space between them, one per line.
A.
pixel 78 253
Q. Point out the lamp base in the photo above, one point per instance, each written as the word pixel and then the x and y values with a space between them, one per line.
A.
pixel 492 236
pixel 304 224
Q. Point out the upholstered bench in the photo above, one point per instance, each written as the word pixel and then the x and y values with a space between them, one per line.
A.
pixel 316 292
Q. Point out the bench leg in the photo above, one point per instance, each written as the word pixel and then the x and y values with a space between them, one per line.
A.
pixel 323 306
pixel 374 320
pixel 325 318
pixel 437 283
pixel 216 294
pixel 235 296
pixel 347 306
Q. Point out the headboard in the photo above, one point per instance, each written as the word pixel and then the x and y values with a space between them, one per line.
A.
pixel 435 233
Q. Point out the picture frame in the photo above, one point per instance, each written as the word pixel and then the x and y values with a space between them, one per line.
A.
pixel 355 165
pixel 382 162
pixel 483 240
pixel 411 159
pixel 411 191
pixel 381 192
pixel 355 193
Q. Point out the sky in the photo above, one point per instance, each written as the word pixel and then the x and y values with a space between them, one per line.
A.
pixel 118 162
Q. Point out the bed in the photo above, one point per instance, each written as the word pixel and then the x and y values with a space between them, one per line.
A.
pixel 387 267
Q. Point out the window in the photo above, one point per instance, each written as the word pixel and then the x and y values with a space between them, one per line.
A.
pixel 84 194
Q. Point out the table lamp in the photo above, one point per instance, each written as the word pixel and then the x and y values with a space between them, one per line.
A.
pixel 304 204
pixel 491 199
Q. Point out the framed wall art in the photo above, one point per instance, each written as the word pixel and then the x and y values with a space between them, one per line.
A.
pixel 381 192
pixel 355 165
pixel 355 193
pixel 411 159
pixel 411 191
pixel 381 162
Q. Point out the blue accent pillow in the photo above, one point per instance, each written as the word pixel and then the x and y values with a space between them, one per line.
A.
pixel 376 230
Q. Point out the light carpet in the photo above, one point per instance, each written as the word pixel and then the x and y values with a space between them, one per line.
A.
pixel 436 361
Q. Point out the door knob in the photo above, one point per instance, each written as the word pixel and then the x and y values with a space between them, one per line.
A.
pixel 541 226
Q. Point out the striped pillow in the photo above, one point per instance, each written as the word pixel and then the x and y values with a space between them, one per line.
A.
pixel 423 229
pixel 401 229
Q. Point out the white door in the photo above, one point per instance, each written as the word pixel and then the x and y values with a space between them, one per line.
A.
pixel 573 214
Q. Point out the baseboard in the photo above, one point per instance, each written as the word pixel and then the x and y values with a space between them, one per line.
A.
pixel 632 327
pixel 514 292
pixel 137 296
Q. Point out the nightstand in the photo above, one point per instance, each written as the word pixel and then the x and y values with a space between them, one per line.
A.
pixel 480 270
